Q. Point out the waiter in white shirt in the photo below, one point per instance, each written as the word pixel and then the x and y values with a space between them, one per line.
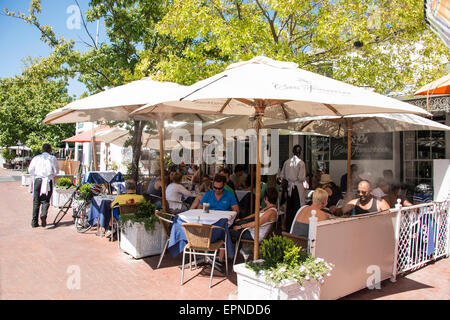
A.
pixel 43 168
pixel 294 172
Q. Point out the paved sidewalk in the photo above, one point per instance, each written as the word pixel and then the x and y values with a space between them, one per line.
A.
pixel 40 264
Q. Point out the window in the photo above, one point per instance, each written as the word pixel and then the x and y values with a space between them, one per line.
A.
pixel 419 150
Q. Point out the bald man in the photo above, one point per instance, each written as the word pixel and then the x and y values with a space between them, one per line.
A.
pixel 365 202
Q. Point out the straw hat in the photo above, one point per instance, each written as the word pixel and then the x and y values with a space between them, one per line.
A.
pixel 325 178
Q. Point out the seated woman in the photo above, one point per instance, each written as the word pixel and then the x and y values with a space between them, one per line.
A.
pixel 196 178
pixel 300 225
pixel 268 214
pixel 175 193
pixel 393 195
pixel 125 198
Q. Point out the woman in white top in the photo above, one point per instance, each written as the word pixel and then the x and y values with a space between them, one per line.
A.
pixel 268 214
pixel 175 192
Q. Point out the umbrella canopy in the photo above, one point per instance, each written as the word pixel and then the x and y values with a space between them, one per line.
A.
pixel 280 90
pixel 119 136
pixel 116 104
pixel 361 123
pixel 439 86
pixel 86 136
pixel 287 93
pixel 19 148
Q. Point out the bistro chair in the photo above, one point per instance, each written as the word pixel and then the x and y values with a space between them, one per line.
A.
pixel 123 209
pixel 298 240
pixel 199 243
pixel 268 233
pixel 295 218
pixel 166 220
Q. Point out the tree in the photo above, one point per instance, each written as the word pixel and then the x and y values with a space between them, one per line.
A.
pixel 24 102
pixel 378 43
pixel 129 26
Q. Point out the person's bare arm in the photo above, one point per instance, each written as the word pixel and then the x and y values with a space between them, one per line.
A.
pixel 235 208
pixel 345 209
pixel 383 205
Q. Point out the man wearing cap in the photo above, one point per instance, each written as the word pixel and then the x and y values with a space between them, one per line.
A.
pixel 43 168
pixel 334 193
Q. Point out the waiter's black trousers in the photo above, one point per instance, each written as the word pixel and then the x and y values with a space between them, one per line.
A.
pixel 292 206
pixel 39 200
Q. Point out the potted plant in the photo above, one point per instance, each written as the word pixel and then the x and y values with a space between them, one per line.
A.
pixel 26 178
pixel 141 233
pixel 62 191
pixel 8 155
pixel 285 272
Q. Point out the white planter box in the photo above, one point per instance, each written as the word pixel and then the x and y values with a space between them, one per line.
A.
pixel 26 180
pixel 255 287
pixel 139 243
pixel 60 196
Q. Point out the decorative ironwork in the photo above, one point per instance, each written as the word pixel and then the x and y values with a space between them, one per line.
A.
pixel 440 103
pixel 423 235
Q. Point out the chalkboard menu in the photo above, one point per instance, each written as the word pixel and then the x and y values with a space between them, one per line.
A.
pixel 283 149
pixel 369 146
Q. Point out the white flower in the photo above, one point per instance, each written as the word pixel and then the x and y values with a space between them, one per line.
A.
pixel 302 268
pixel 321 281
pixel 302 288
pixel 282 269
pixel 328 274
pixel 307 278
pixel 318 260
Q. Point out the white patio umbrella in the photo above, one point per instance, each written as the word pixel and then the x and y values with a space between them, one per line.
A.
pixel 362 123
pixel 280 90
pixel 118 102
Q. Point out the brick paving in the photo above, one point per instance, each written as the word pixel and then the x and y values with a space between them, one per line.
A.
pixel 40 264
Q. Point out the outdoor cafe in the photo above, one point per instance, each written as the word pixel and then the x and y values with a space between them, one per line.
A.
pixel 387 243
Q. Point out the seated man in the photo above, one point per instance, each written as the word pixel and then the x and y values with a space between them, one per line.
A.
pixel 365 202
pixel 219 198
pixel 319 202
pixel 238 177
pixel 154 191
pixel 125 198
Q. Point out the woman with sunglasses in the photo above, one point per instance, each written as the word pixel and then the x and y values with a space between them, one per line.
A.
pixel 365 203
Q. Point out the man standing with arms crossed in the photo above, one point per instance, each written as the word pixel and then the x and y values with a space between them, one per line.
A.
pixel 294 172
pixel 43 168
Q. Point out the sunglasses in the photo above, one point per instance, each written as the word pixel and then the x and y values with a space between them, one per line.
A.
pixel 215 188
pixel 363 192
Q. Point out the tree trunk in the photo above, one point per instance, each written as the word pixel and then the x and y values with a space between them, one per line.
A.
pixel 137 144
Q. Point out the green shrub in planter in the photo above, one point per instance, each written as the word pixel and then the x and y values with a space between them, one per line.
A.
pixel 145 214
pixel 283 260
pixel 64 183
pixel 85 191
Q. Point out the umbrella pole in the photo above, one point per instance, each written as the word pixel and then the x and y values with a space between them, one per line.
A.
pixel 260 112
pixel 252 187
pixel 94 153
pixel 349 155
pixel 161 163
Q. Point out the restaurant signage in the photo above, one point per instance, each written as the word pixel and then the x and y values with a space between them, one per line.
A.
pixel 370 146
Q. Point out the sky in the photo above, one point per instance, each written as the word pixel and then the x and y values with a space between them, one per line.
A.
pixel 20 40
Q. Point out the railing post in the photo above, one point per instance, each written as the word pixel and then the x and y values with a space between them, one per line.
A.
pixel 447 209
pixel 398 209
pixel 312 233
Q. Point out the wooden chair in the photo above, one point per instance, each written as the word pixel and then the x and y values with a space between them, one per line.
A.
pixel 199 243
pixel 268 233
pixel 123 209
pixel 166 220
pixel 298 240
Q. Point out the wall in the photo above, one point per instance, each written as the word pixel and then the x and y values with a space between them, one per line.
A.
pixel 359 247
pixel 441 179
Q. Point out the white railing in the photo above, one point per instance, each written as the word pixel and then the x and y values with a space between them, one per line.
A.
pixel 422 235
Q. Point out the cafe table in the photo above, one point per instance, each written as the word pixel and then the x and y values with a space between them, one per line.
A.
pixel 100 210
pixel 219 218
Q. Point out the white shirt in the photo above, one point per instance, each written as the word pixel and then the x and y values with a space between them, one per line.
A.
pixel 294 172
pixel 262 229
pixel 44 166
pixel 176 192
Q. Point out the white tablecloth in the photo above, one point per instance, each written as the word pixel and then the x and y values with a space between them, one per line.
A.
pixel 198 216
pixel 241 193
